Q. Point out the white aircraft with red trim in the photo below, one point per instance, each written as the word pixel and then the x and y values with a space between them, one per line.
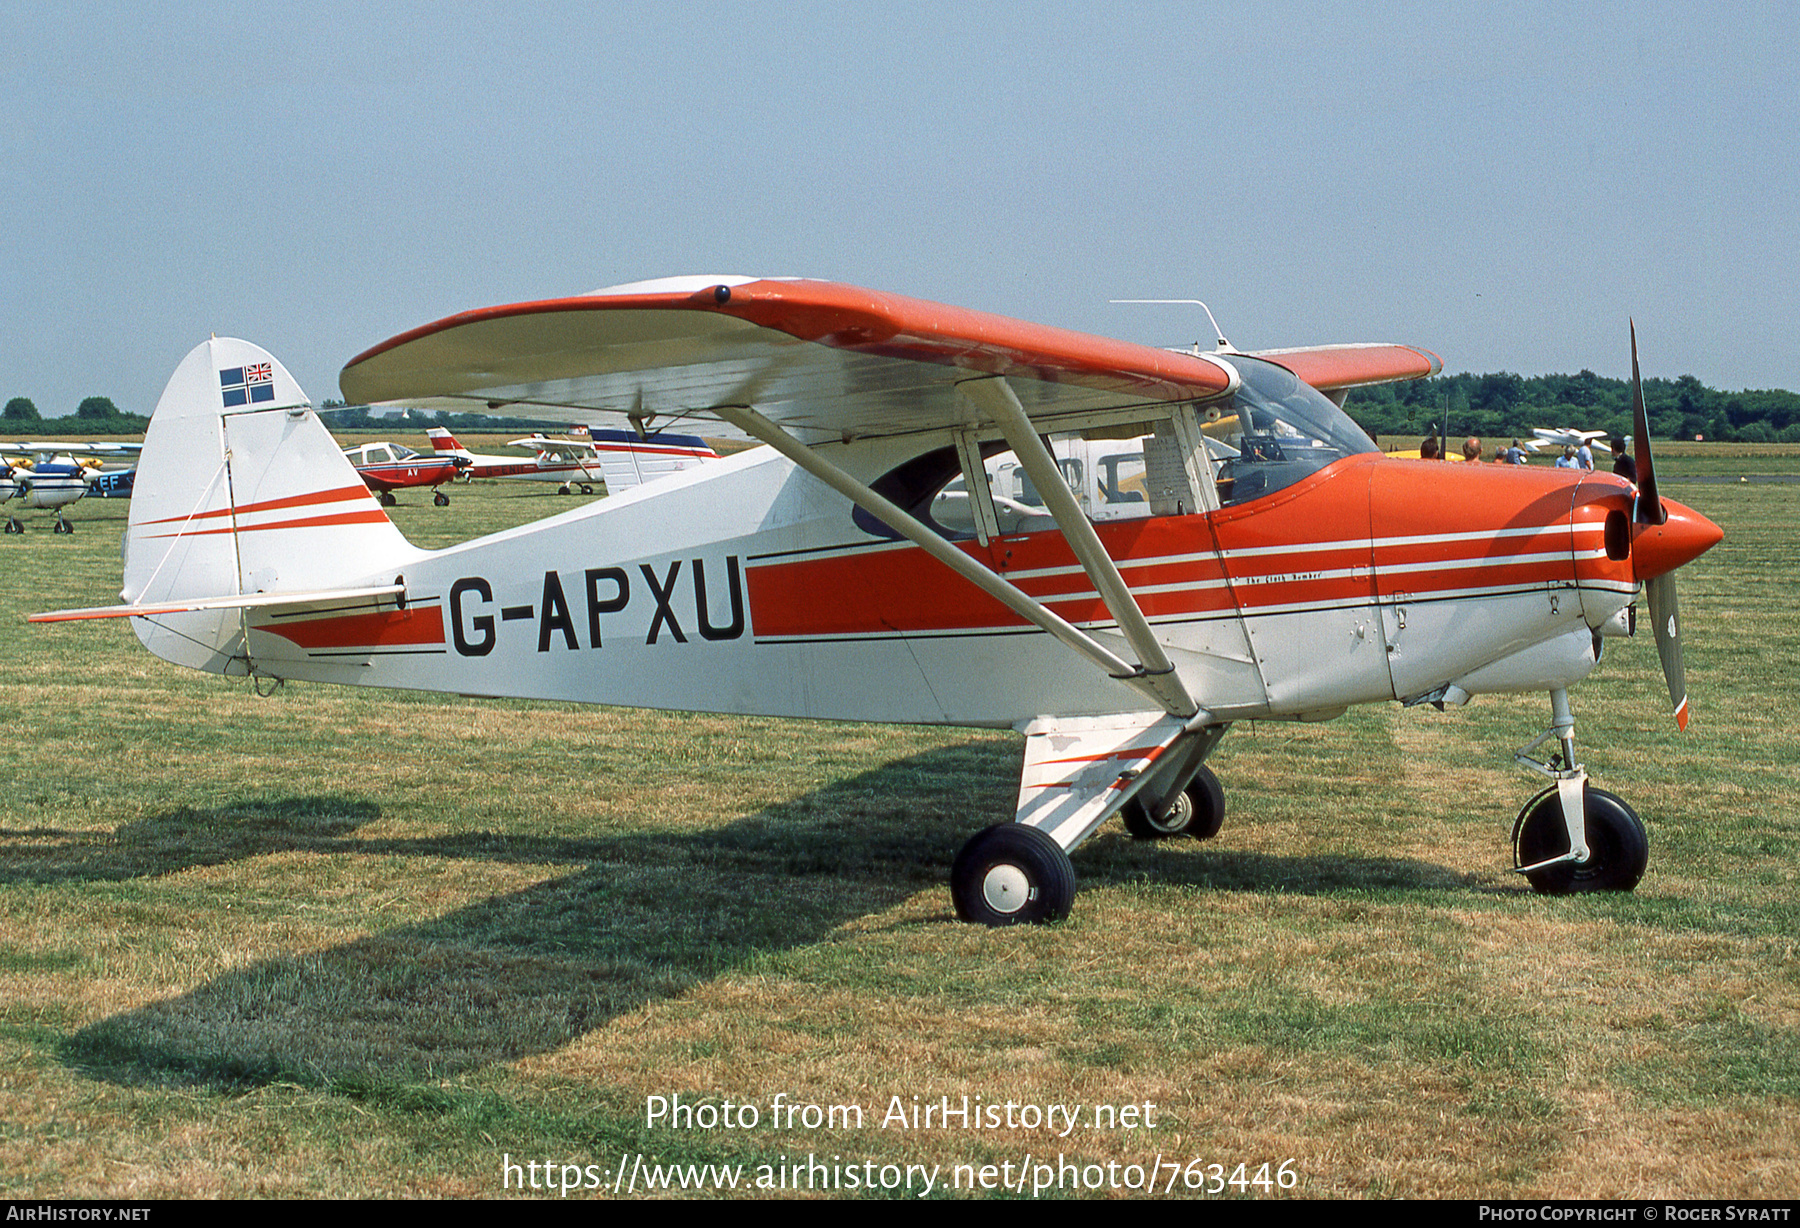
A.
pixel 386 467
pixel 1559 437
pixel 621 459
pixel 1281 568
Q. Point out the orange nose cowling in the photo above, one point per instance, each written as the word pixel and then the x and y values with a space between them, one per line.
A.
pixel 1660 548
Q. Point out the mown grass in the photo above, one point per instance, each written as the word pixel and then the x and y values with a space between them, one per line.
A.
pixel 339 943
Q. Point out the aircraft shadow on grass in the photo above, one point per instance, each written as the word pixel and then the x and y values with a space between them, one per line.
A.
pixel 639 918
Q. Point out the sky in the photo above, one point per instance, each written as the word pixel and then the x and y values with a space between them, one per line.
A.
pixel 1503 184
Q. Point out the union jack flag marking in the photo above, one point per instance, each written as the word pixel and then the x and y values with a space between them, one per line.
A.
pixel 242 385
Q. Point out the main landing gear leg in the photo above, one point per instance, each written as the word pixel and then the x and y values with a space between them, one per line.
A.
pixel 1195 809
pixel 1572 837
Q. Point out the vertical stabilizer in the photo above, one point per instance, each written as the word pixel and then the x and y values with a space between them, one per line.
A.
pixel 241 489
pixel 443 443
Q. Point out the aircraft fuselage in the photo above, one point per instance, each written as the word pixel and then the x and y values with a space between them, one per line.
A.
pixel 1372 579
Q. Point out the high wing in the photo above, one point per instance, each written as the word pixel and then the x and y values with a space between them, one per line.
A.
pixel 821 360
pixel 74 447
pixel 1335 369
pixel 545 443
pixel 824 361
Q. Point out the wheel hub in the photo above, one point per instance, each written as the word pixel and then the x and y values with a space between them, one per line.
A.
pixel 1006 889
pixel 1177 817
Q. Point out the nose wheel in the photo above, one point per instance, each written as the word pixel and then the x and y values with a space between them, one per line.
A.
pixel 1618 847
pixel 1573 837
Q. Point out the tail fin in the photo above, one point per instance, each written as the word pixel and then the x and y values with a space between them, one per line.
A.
pixel 628 459
pixel 443 443
pixel 242 490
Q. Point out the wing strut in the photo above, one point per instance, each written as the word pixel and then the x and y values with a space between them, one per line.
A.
pixel 995 397
pixel 1031 610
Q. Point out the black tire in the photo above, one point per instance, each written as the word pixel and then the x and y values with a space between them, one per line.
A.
pixel 1177 820
pixel 1208 798
pixel 63 526
pixel 14 525
pixel 441 499
pixel 586 489
pixel 1012 875
pixel 387 498
pixel 1618 845
pixel 1198 811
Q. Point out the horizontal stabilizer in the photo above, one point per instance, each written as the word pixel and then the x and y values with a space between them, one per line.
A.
pixel 243 601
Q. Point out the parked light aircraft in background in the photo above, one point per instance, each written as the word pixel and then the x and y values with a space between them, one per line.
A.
pixel 55 473
pixel 387 467
pixel 574 468
pixel 622 459
pixel 1560 437
pixel 1280 566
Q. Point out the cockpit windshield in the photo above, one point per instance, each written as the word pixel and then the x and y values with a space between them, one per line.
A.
pixel 1275 430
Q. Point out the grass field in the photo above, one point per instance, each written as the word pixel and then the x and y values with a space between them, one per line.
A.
pixel 347 943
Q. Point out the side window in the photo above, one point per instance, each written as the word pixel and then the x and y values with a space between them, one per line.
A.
pixel 1111 479
pixel 1116 470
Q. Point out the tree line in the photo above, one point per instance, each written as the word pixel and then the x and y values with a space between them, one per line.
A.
pixel 100 416
pixel 94 416
pixel 1493 406
pixel 1505 405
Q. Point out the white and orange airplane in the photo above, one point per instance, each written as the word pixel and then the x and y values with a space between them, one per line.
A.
pixel 1279 567
pixel 621 459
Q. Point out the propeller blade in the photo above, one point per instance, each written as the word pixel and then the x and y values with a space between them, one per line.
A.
pixel 1665 614
pixel 1649 506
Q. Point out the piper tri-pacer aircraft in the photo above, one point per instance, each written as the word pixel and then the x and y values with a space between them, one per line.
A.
pixel 1281 569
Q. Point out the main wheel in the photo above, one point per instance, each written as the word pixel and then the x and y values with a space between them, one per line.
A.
pixel 587 488
pixel 1174 821
pixel 441 499
pixel 1208 797
pixel 1618 845
pixel 387 498
pixel 1198 811
pixel 1011 875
